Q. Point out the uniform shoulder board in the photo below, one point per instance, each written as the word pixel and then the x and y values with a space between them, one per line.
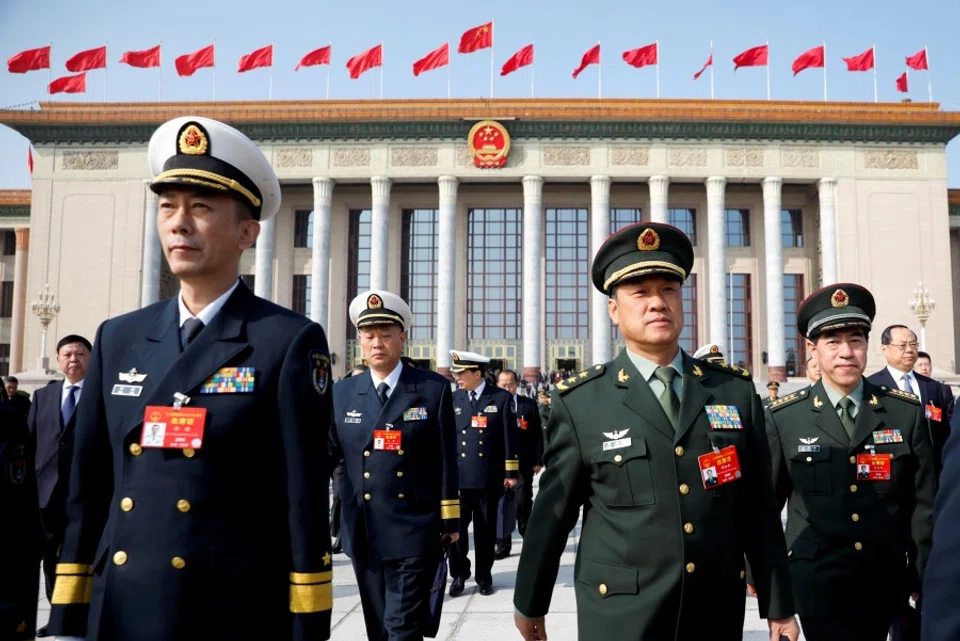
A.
pixel 899 393
pixel 591 373
pixel 789 399
pixel 725 367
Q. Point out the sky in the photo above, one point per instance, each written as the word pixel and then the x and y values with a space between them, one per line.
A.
pixel 561 30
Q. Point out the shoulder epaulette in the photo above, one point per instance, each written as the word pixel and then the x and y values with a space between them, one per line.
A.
pixel 789 399
pixel 899 393
pixel 568 384
pixel 722 366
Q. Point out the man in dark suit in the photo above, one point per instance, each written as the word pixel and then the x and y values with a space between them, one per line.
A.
pixel 393 426
pixel 19 400
pixel 222 531
pixel 924 366
pixel 489 462
pixel 51 422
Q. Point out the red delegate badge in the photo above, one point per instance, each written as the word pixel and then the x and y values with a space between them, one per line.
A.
pixel 478 421
pixel 171 428
pixel 387 440
pixel 719 467
pixel 873 467
pixel 522 423
pixel 933 413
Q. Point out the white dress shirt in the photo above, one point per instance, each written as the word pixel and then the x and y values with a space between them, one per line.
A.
pixel 207 313
pixel 66 390
pixel 391 380
pixel 897 375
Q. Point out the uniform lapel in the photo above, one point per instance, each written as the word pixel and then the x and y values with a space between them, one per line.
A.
pixel 868 415
pixel 639 397
pixel 461 401
pixel 695 396
pixel 826 415
pixel 400 399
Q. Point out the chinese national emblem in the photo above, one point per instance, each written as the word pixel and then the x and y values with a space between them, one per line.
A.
pixel 840 298
pixel 649 240
pixel 193 141
pixel 489 144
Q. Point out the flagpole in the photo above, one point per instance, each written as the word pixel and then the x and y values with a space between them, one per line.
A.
pixel 658 69
pixel 491 60
pixel 711 70
pixel 49 74
pixel 214 70
pixel 926 54
pixel 160 74
pixel 768 70
pixel 329 64
pixel 105 67
pixel 270 89
pixel 449 74
pixel 824 70
pixel 381 70
pixel 875 95
pixel 533 66
pixel 600 72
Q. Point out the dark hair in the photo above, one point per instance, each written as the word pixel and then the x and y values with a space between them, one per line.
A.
pixel 516 379
pixel 74 338
pixel 887 334
pixel 924 355
pixel 11 379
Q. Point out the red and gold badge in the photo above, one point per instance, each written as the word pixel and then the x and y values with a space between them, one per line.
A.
pixel 489 144
pixel 193 141
pixel 840 298
pixel 374 302
pixel 649 240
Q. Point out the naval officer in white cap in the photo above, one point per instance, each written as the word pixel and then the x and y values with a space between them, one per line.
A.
pixel 222 528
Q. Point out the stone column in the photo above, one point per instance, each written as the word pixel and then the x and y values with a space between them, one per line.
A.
pixel 152 251
pixel 320 272
pixel 828 231
pixel 659 188
pixel 532 281
pixel 19 299
pixel 380 232
pixel 773 244
pixel 600 341
pixel 717 262
pixel 266 248
pixel 446 272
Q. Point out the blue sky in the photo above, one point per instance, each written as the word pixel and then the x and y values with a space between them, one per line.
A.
pixel 561 30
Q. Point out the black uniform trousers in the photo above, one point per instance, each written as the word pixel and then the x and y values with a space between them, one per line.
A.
pixel 395 596
pixel 51 526
pixel 847 628
pixel 337 477
pixel 479 506
pixel 524 499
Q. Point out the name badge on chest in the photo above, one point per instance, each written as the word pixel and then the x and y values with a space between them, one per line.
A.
pixel 873 467
pixel 126 390
pixel 618 444
pixel 478 421
pixel 353 416
pixel 723 417
pixel 387 440
pixel 933 412
pixel 719 467
pixel 172 428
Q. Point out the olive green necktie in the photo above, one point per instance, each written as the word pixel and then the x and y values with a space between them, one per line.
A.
pixel 846 418
pixel 668 398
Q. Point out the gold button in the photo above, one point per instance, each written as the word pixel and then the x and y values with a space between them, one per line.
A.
pixel 120 558
pixel 688 528
pixel 366 496
pixel 684 488
pixel 858 546
pixel 479 442
pixel 126 504
pixel 853 488
pixel 401 495
pixel 853 459
pixel 464 443
pixel 399 452
pixel 183 505
pixel 178 563
pixel 789 552
pixel 463 455
pixel 617 458
pixel 399 475
pixel 743 574
pixel 480 455
pixel 855 517
pixel 366 475
pixel 679 451
pixel 690 568
pixel 603 588
pixel 135 449
pixel 366 452
pixel 189 452
pixel 809 459
pixel 464 431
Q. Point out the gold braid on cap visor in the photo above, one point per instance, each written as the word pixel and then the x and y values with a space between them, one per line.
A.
pixel 638 268
pixel 228 183
pixel 391 317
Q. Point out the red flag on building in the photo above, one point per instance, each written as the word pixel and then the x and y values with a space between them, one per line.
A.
pixel 522 58
pixel 262 57
pixel 754 57
pixel 30 159
pixel 477 38
pixel 319 56
pixel 365 61
pixel 439 57
pixel 189 63
pixel 70 84
pixel 708 63
pixel 814 58
pixel 643 56
pixel 29 60
pixel 902 83
pixel 863 62
pixel 87 60
pixel 918 60
pixel 142 59
pixel 591 57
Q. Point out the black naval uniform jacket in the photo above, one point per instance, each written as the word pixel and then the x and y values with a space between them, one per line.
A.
pixel 529 435
pixel 660 557
pixel 396 503
pixel 229 541
pixel 490 454
pixel 855 545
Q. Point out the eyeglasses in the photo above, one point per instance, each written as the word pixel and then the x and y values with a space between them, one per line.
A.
pixel 904 346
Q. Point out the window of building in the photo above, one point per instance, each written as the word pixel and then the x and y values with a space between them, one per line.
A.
pixel 494 268
pixel 250 280
pixel 358 260
pixel 5 359
pixel 791 227
pixel 9 243
pixel 686 221
pixel 303 228
pixel 740 310
pixel 6 299
pixel 567 290
pixel 301 293
pixel 418 270
pixel 794 343
pixel 691 320
pixel 620 218
pixel 738 227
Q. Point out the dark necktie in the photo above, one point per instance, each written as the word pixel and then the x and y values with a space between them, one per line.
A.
pixel 191 327
pixel 382 393
pixel 473 398
pixel 846 417
pixel 668 398
pixel 69 404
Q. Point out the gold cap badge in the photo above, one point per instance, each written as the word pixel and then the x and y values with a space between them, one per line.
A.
pixel 193 141
pixel 649 240
pixel 840 298
pixel 374 302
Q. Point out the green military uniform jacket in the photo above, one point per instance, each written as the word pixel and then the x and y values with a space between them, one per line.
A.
pixel 856 546
pixel 660 556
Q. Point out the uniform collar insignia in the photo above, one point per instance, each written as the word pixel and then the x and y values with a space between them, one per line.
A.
pixel 622 376
pixel 697 371
pixel 132 376
pixel 873 400
pixel 817 402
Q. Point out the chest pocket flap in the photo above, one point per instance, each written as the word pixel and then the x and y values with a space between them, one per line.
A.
pixel 622 476
pixel 810 471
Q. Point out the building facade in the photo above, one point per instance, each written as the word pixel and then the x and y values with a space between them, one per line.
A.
pixel 779 198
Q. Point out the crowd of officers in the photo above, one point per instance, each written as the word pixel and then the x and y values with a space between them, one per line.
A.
pixel 196 501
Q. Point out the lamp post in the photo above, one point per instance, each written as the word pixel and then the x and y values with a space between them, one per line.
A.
pixel 922 305
pixel 46 309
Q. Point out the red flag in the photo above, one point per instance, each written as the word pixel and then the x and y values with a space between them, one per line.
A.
pixel 146 58
pixel 365 61
pixel 86 60
pixel 70 84
pixel 319 56
pixel 29 60
pixel 755 57
pixel 522 58
pixel 642 57
pixel 708 63
pixel 591 57
pixel 477 38
pixel 30 159
pixel 918 60
pixel 902 83
pixel 814 58
pixel 189 63
pixel 863 62
pixel 439 57
pixel 262 57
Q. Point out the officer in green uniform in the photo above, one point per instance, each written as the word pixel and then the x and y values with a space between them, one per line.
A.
pixel 667 455
pixel 854 460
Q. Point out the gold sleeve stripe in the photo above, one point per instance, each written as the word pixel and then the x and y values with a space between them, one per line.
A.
pixel 513 465
pixel 74 568
pixel 72 590
pixel 449 512
pixel 307 578
pixel 450 502
pixel 306 599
